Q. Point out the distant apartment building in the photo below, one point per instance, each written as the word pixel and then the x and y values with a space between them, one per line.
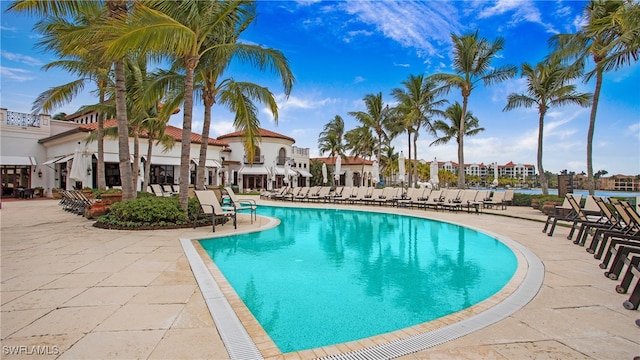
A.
pixel 510 169
pixel 619 183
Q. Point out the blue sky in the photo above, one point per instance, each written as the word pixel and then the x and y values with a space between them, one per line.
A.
pixel 341 51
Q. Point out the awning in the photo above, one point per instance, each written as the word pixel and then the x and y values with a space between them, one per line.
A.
pixel 260 170
pixel 115 157
pixel 292 171
pixel 304 173
pixel 18 160
pixel 210 163
pixel 64 159
pixel 164 160
pixel 54 160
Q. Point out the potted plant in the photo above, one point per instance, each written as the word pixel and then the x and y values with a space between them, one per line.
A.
pixel 38 191
pixel 55 192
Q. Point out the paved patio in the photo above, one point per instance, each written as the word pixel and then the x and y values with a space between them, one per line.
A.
pixel 72 291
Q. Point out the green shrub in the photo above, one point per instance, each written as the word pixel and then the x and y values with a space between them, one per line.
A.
pixel 151 212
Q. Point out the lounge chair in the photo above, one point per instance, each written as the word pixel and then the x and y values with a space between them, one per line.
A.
pixel 463 201
pixel 157 190
pixel 496 200
pixel 360 195
pixel 606 221
pixel 242 204
pixel 302 194
pixel 569 211
pixel 412 195
pixel 321 195
pixel 508 197
pixel 210 206
pixel 434 200
pixel 626 227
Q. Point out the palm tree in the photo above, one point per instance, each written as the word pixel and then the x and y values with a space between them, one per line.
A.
pixel 375 117
pixel 547 87
pixel 610 38
pixel 75 58
pixel 388 161
pixel 472 58
pixel 417 104
pixel 449 128
pixel 361 143
pixel 181 31
pixel 331 139
pixel 212 67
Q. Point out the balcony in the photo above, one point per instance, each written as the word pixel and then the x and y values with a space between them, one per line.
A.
pixel 259 159
pixel 22 120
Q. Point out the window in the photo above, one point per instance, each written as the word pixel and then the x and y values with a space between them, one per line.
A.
pixel 282 156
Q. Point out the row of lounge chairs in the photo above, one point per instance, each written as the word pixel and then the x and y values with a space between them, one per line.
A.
pixel 165 190
pixel 614 230
pixel 449 199
pixel 74 201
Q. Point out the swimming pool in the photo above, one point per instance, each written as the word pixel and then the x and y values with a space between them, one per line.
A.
pixel 330 276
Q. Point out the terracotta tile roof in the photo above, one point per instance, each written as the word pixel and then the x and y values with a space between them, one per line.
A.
pixel 350 160
pixel 263 133
pixel 172 131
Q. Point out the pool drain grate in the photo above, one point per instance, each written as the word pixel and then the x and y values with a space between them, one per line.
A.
pixel 233 334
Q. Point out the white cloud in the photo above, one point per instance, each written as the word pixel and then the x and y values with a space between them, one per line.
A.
pixel 423 26
pixel 19 75
pixel 4 28
pixel 401 65
pixel 358 79
pixel 25 59
pixel 220 127
pixel 522 11
pixel 355 33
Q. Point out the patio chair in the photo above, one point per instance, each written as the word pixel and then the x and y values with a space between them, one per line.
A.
pixel 360 195
pixel 434 200
pixel 322 194
pixel 497 199
pixel 508 197
pixel 568 211
pixel 242 204
pixel 157 190
pixel 606 221
pixel 210 206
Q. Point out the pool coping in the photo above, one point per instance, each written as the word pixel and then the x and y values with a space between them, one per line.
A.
pixel 252 341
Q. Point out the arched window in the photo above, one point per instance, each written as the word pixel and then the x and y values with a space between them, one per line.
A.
pixel 282 156
pixel 257 158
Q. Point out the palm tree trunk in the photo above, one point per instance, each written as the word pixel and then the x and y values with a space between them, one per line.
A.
pixel 408 168
pixel 147 164
pixel 190 64
pixel 136 157
pixel 543 177
pixel 592 123
pixel 461 130
pixel 206 126
pixel 415 161
pixel 100 174
pixel 128 192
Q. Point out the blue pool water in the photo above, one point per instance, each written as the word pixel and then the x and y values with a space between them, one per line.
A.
pixel 324 277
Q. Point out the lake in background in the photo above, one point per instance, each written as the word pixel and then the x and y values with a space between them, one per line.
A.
pixel 626 194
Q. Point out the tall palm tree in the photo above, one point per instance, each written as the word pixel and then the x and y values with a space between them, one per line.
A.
pixel 212 67
pixel 75 58
pixel 375 116
pixel 331 139
pixel 547 86
pixel 418 104
pixel 472 58
pixel 180 31
pixel 611 40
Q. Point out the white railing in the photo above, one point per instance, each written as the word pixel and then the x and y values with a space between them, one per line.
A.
pixel 22 119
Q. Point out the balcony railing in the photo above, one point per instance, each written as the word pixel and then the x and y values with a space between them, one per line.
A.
pixel 256 159
pixel 22 119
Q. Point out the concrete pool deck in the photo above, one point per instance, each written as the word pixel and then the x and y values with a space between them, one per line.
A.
pixel 71 291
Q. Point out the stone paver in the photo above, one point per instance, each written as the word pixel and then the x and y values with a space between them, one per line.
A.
pixel 73 291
